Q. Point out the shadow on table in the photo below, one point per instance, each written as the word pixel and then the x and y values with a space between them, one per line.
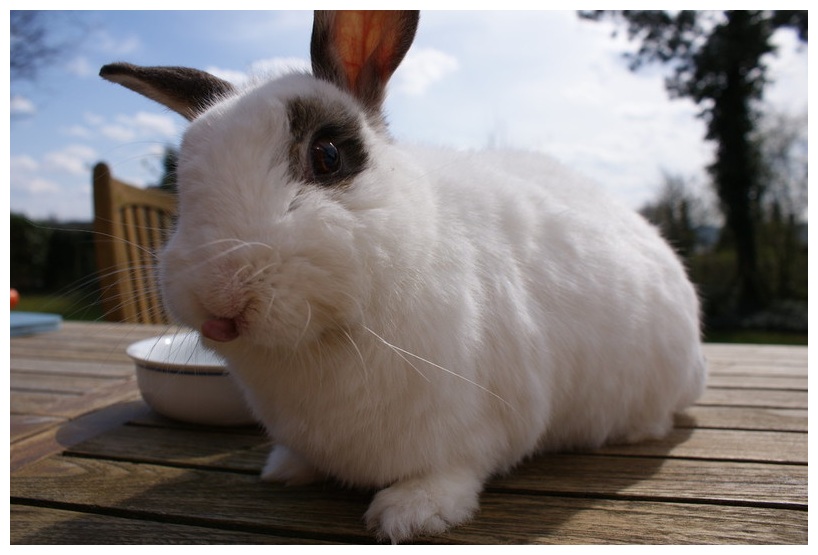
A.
pixel 160 482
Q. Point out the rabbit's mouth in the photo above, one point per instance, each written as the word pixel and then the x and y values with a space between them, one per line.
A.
pixel 220 329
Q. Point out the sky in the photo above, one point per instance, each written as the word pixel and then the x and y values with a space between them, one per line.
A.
pixel 544 81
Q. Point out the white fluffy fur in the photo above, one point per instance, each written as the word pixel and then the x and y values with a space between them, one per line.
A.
pixel 435 322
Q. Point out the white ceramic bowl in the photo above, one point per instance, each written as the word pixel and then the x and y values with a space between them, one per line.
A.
pixel 181 379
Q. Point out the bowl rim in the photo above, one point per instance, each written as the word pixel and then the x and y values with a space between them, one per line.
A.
pixel 136 352
pixel 182 370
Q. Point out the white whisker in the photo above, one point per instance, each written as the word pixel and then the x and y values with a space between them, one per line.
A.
pixel 217 255
pixel 272 301
pixel 241 244
pixel 306 324
pixel 398 350
pixel 357 350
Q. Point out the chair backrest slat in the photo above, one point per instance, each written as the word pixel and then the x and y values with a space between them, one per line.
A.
pixel 131 225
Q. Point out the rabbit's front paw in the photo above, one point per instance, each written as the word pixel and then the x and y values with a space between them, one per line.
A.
pixel 423 506
pixel 285 466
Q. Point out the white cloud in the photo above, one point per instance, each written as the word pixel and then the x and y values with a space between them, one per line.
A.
pixel 73 159
pixel 116 45
pixel 147 123
pixel 22 106
pixel 34 185
pixel 80 66
pixel 78 131
pixel 639 111
pixel 422 68
pixel 155 150
pixel 787 69
pixel 275 67
pixel 267 68
pixel 117 133
pixel 65 200
pixel 128 128
pixel 231 75
pixel 93 119
pixel 40 185
pixel 23 175
pixel 22 163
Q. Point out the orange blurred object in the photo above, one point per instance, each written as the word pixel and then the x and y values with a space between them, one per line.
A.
pixel 15 298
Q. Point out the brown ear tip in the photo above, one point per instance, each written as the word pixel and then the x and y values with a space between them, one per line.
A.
pixel 109 70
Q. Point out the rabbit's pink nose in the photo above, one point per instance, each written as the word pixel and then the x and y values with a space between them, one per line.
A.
pixel 220 329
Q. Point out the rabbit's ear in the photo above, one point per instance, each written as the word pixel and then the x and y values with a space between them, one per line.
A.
pixel 185 91
pixel 359 50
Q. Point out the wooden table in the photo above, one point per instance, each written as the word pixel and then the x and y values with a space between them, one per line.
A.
pixel 90 463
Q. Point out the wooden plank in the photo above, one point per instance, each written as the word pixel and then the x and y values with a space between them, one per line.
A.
pixel 576 521
pixel 792 369
pixel 85 333
pixel 85 342
pixel 723 444
pixel 755 353
pixel 40 403
pixel 73 405
pixel 744 418
pixel 328 512
pixel 757 361
pixel 719 444
pixel 56 439
pixel 86 337
pixel 25 425
pixel 727 417
pixel 660 479
pixel 793 383
pixel 580 474
pixel 35 382
pixel 112 354
pixel 112 330
pixel 732 445
pixel 37 365
pixel 243 450
pixel 45 526
pixel 762 398
pixel 88 343
pixel 207 498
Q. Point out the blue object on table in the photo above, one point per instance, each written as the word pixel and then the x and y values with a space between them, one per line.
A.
pixel 27 323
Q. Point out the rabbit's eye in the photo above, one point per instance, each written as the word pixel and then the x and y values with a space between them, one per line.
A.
pixel 325 158
pixel 329 155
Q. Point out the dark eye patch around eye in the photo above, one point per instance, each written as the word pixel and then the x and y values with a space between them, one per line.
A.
pixel 326 143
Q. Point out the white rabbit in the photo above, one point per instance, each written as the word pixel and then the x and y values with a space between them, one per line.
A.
pixel 404 318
